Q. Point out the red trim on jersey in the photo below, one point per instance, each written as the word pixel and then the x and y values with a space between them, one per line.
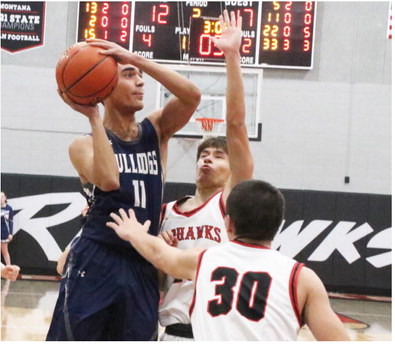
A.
pixel 192 306
pixel 222 205
pixel 193 211
pixel 162 213
pixel 250 245
pixel 293 291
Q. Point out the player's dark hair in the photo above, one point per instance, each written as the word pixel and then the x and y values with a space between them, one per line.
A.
pixel 212 142
pixel 256 209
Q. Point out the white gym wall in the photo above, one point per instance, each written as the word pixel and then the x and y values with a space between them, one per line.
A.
pixel 318 126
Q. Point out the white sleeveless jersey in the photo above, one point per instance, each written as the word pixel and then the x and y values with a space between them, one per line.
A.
pixel 200 227
pixel 245 292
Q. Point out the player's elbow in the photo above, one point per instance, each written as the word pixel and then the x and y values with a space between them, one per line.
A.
pixel 110 184
pixel 249 167
pixel 59 269
pixel 109 181
pixel 194 95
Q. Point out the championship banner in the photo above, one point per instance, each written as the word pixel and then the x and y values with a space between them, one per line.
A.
pixel 22 25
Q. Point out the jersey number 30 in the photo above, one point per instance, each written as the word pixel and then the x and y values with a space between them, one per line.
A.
pixel 251 296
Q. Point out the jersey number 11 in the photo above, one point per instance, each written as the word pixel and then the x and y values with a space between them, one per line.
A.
pixel 140 199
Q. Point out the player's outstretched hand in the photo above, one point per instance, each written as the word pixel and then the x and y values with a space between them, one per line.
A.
pixel 10 272
pixel 230 39
pixel 126 226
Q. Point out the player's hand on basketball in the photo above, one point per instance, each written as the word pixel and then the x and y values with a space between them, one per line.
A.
pixel 87 110
pixel 230 39
pixel 120 54
pixel 125 225
pixel 169 238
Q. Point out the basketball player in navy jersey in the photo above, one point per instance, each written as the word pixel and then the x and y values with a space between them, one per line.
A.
pixel 108 290
pixel 243 289
pixel 198 221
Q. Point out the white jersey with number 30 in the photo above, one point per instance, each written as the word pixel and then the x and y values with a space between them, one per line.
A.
pixel 245 292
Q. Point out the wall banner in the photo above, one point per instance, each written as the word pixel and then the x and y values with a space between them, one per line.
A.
pixel 344 237
pixel 22 25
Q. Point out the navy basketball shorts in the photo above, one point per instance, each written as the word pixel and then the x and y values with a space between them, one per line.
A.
pixel 4 234
pixel 106 294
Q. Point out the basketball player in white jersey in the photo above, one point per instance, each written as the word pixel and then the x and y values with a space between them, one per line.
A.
pixel 244 290
pixel 221 163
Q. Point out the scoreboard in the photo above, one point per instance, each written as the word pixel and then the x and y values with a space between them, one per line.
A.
pixel 278 34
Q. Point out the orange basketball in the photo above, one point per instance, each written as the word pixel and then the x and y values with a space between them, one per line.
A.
pixel 85 75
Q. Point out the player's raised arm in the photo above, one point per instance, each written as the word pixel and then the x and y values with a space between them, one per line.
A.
pixel 240 157
pixel 92 156
pixel 179 109
pixel 171 260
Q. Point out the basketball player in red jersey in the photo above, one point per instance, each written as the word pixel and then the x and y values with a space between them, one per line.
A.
pixel 244 290
pixel 221 163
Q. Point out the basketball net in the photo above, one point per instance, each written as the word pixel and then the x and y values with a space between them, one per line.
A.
pixel 210 127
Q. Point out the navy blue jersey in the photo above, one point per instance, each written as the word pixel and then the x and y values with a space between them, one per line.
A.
pixel 141 187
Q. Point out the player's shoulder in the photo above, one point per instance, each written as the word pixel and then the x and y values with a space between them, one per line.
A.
pixel 309 280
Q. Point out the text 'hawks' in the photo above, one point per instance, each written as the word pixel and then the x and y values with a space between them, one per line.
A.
pixel 198 232
pixel 142 163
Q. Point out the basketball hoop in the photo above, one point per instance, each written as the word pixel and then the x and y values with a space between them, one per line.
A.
pixel 210 127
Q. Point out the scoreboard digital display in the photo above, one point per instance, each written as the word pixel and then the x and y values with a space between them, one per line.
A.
pixel 287 33
pixel 278 34
pixel 106 20
pixel 201 49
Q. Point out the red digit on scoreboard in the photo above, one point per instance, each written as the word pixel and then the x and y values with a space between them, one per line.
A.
pixel 104 19
pixel 286 45
pixel 251 12
pixel 124 22
pixel 125 9
pixel 205 45
pixel 307 19
pixel 245 48
pixel 288 18
pixel 147 38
